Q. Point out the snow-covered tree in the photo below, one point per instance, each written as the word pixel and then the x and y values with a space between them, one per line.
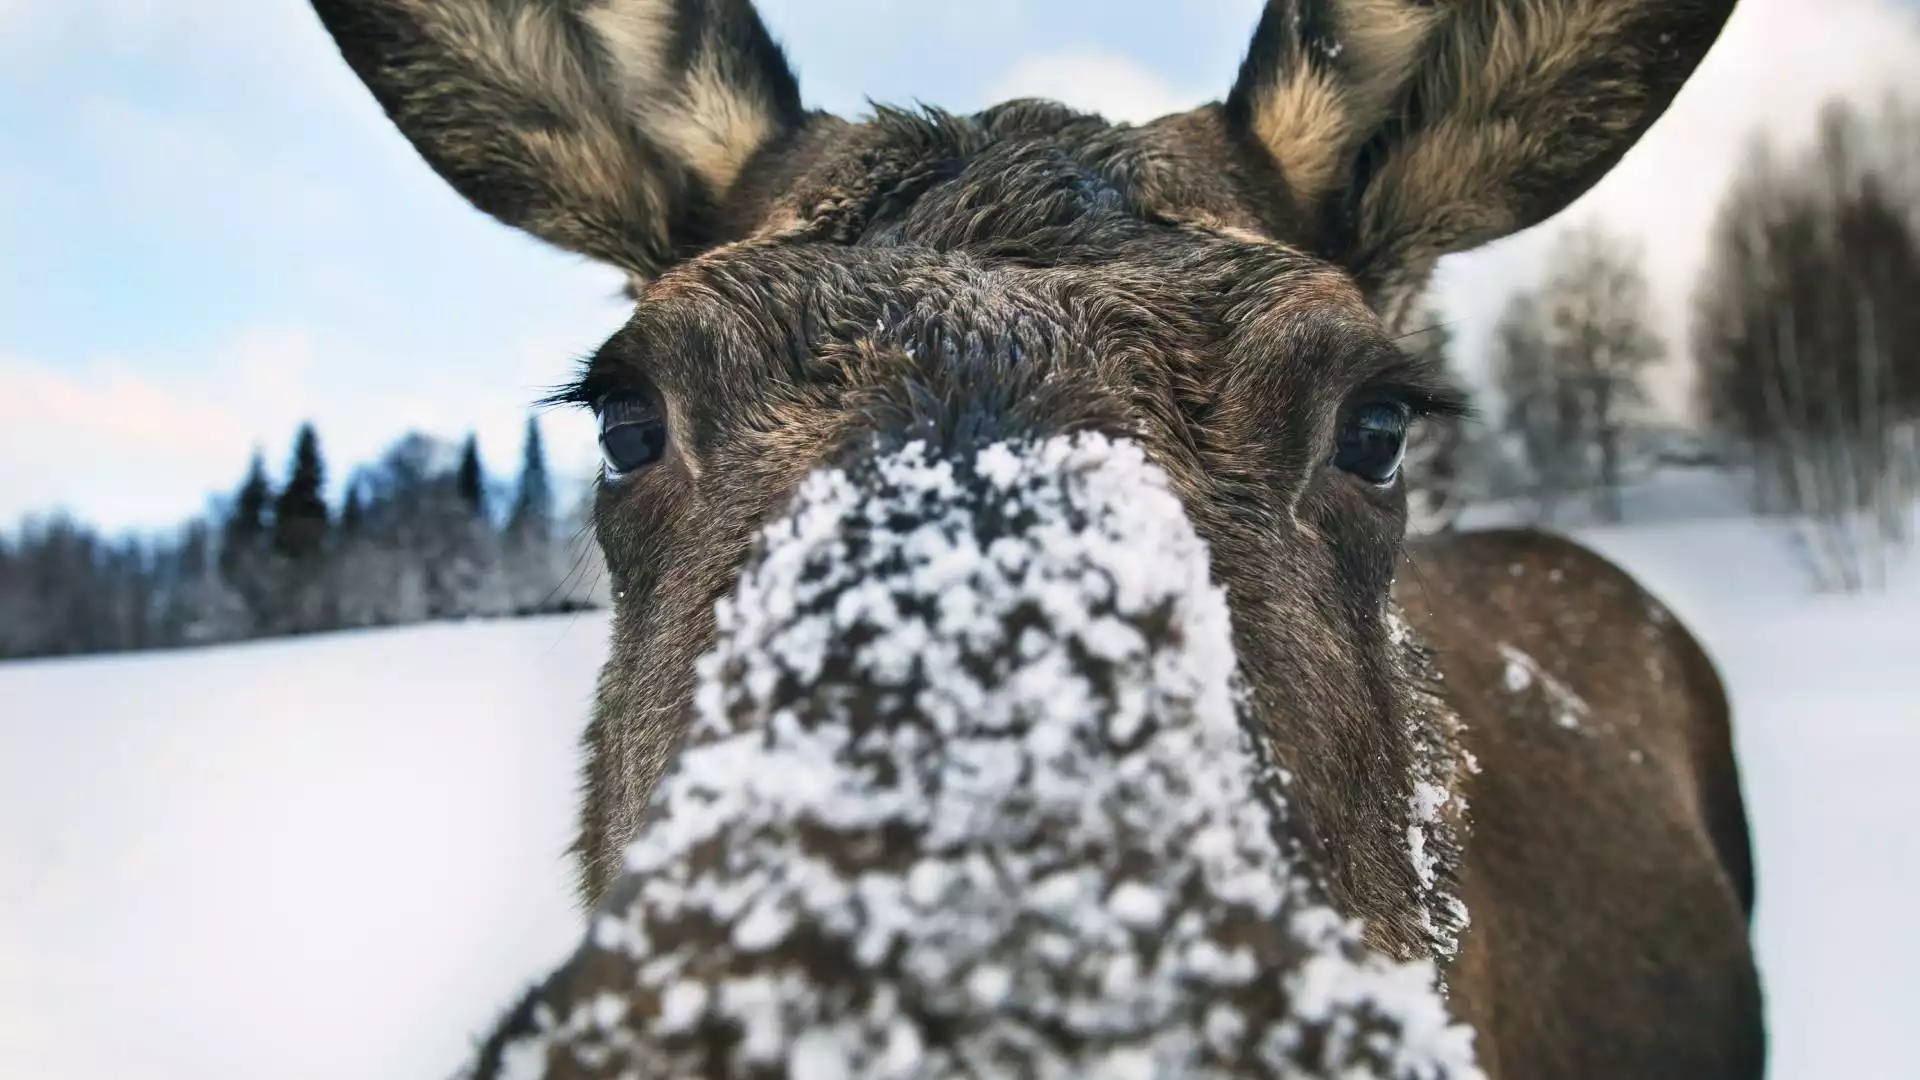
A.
pixel 1807 334
pixel 196 604
pixel 1571 358
pixel 414 541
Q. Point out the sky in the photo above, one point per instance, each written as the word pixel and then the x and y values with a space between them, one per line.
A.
pixel 209 232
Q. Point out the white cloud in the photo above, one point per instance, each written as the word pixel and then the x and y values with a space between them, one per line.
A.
pixel 1112 85
pixel 1776 63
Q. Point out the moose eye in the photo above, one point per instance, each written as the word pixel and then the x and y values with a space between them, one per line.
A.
pixel 633 433
pixel 1372 441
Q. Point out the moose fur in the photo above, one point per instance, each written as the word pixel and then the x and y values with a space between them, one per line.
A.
pixel 1494 753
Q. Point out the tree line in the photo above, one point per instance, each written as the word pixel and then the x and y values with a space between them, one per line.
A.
pixel 423 533
pixel 1805 335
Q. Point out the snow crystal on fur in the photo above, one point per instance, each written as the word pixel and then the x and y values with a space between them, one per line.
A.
pixel 1523 671
pixel 969 793
pixel 1436 807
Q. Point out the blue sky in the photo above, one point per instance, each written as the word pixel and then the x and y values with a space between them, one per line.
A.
pixel 209 233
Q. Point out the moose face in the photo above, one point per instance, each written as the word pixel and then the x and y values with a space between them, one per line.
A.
pixel 1028 293
pixel 1003 512
pixel 1220 290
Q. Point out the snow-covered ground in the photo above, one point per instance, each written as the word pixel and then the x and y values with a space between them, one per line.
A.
pixel 329 858
pixel 337 857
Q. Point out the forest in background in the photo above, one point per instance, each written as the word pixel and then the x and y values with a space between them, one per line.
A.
pixel 424 533
pixel 1804 336
pixel 1804 333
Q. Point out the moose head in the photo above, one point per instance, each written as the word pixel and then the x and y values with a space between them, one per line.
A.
pixel 1004 512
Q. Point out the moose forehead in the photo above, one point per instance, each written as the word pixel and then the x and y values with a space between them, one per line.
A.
pixel 1027 228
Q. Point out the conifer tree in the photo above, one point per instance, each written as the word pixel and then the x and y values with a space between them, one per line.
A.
pixel 471 480
pixel 535 560
pixel 299 547
pixel 533 501
pixel 247 521
pixel 300 513
pixel 243 543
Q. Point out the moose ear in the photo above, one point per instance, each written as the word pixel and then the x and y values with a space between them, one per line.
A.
pixel 1403 130
pixel 611 128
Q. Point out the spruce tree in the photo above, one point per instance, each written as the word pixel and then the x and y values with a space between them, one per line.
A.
pixel 533 502
pixel 247 521
pixel 299 544
pixel 243 543
pixel 471 480
pixel 300 514
pixel 534 560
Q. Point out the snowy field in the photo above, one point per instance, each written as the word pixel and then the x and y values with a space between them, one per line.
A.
pixel 338 857
pixel 332 858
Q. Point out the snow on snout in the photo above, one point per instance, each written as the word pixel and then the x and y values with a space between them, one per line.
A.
pixel 970 790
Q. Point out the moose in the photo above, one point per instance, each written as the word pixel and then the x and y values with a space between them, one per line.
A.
pixel 1019 662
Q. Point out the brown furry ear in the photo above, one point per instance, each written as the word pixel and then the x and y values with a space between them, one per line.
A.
pixel 612 128
pixel 1404 130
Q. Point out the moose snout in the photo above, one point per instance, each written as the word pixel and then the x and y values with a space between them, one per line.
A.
pixel 968 780
pixel 1025 582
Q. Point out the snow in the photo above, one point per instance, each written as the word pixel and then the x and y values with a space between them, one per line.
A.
pixel 1523 671
pixel 326 858
pixel 1426 801
pixel 1092 829
pixel 342 856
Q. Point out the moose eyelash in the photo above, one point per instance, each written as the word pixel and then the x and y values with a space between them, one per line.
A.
pixel 1425 400
pixel 583 391
pixel 1415 383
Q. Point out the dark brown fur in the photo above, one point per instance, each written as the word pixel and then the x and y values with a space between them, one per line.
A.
pixel 1221 285
pixel 1608 870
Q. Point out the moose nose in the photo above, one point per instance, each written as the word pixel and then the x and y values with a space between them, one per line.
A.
pixel 1036 582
